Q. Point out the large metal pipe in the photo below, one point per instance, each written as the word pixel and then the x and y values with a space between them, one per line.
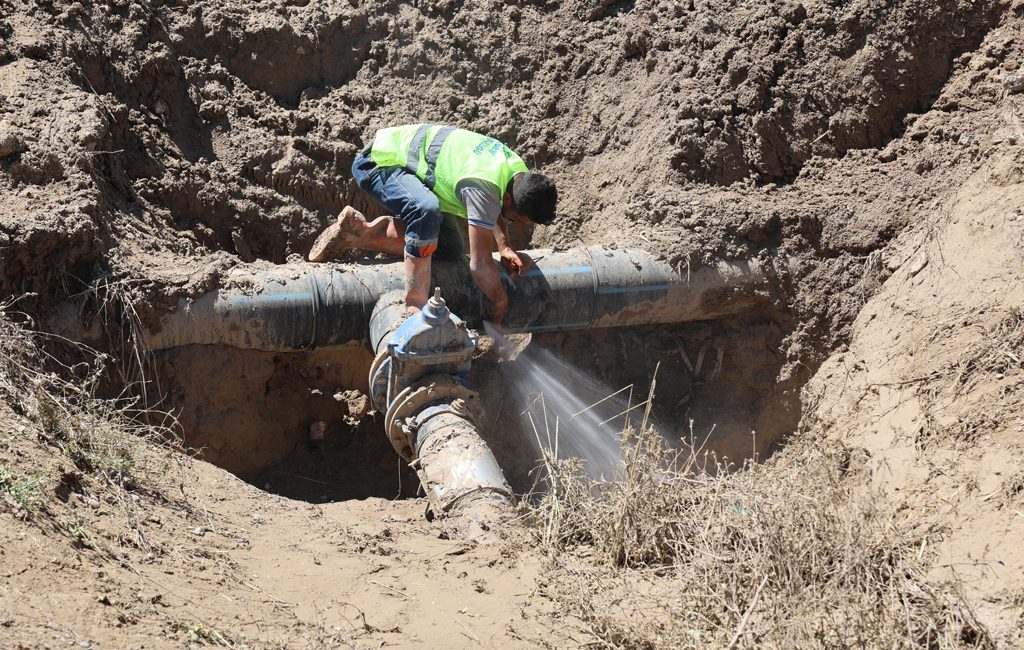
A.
pixel 304 306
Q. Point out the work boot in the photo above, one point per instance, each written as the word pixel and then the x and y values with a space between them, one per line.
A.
pixel 348 232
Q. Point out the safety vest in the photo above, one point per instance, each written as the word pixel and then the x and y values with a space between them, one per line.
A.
pixel 442 156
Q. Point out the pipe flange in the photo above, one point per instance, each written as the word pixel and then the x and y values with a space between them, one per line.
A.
pixel 427 391
pixel 379 375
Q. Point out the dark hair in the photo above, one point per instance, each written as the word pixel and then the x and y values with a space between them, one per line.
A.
pixel 535 196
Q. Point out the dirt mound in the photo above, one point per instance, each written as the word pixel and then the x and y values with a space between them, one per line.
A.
pixel 231 127
pixel 930 387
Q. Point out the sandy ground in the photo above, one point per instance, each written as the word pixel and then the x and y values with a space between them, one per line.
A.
pixel 216 561
pixel 930 386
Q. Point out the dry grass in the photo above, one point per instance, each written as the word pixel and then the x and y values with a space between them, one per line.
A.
pixel 999 350
pixel 113 305
pixel 794 553
pixel 199 633
pixel 54 383
pixel 974 393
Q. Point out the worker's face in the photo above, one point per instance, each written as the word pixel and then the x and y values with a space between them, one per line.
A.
pixel 509 212
pixel 515 215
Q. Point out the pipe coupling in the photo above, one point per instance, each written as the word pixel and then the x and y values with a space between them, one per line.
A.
pixel 426 398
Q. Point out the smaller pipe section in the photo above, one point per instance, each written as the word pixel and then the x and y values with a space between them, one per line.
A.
pixel 462 480
pixel 417 381
pixel 456 466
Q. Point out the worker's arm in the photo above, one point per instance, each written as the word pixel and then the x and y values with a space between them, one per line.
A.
pixel 485 274
pixel 514 263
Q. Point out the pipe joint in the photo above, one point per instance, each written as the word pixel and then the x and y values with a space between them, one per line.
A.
pixel 427 398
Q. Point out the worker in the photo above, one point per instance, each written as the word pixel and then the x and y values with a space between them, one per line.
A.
pixel 428 176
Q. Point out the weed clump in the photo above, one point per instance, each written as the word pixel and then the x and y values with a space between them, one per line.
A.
pixel 23 494
pixel 681 551
pixel 101 437
pixel 975 392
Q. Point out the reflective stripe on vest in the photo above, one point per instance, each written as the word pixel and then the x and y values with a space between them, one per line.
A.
pixel 412 161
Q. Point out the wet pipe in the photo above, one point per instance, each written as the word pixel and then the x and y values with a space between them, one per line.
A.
pixel 306 306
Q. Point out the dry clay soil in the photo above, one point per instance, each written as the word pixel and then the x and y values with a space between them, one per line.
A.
pixel 871 150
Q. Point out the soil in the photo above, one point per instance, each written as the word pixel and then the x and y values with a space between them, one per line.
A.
pixel 146 147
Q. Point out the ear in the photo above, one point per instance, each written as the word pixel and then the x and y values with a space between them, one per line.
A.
pixel 506 200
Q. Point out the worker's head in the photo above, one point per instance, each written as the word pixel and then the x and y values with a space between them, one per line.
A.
pixel 531 199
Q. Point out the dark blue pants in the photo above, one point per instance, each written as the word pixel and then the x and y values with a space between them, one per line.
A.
pixel 428 231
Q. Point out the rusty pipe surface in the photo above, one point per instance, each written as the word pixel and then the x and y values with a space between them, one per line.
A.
pixel 304 305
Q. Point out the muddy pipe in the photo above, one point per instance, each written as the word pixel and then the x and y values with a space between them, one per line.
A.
pixel 304 306
pixel 419 381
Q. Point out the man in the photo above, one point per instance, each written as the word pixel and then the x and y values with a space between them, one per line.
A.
pixel 428 176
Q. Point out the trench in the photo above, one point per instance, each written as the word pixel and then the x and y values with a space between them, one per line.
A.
pixel 257 414
pixel 200 111
pixel 269 371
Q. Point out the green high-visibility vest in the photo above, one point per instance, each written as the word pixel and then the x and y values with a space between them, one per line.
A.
pixel 442 156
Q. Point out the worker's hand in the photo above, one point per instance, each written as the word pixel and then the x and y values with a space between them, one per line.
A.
pixel 516 264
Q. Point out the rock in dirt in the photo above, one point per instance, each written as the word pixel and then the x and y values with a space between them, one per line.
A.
pixel 918 264
pixel 242 247
pixel 1014 82
pixel 356 405
pixel 10 144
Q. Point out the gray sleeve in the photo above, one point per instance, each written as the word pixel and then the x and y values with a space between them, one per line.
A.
pixel 481 199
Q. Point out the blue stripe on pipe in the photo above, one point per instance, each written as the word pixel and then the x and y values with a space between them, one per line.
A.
pixel 572 269
pixel 649 287
pixel 243 300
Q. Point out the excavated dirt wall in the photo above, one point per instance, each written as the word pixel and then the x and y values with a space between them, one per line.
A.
pixel 230 127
